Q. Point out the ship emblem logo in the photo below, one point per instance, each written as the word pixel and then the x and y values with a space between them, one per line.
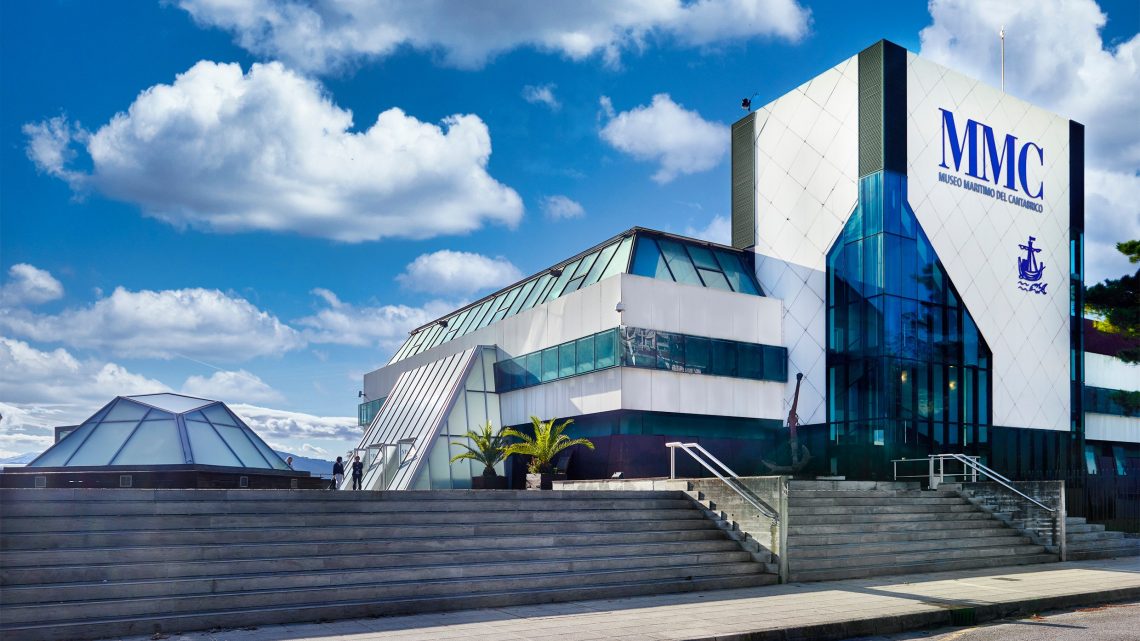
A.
pixel 1029 270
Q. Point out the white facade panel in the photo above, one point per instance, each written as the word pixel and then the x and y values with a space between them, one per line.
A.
pixel 1111 373
pixel 978 235
pixel 663 391
pixel 1107 427
pixel 806 188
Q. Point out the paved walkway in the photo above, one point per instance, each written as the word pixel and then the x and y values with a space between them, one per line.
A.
pixel 832 610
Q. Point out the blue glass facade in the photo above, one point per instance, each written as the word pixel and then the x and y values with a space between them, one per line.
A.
pixel 907 368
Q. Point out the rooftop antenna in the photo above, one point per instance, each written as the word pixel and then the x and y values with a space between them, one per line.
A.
pixel 1002 35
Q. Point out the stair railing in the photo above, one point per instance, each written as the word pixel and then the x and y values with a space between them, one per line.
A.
pixel 732 480
pixel 972 467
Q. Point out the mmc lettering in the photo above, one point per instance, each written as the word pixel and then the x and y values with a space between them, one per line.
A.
pixel 1005 163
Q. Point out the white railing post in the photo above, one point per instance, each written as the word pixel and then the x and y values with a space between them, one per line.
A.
pixel 933 479
pixel 672 462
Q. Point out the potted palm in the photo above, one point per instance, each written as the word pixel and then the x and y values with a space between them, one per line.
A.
pixel 547 442
pixel 489 448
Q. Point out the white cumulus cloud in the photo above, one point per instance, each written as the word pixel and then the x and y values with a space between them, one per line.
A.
pixel 201 323
pixel 560 207
pixel 332 34
pixel 542 94
pixel 232 386
pixel 42 389
pixel 269 151
pixel 280 425
pixel 27 284
pixel 1057 58
pixel 453 272
pixel 678 140
pixel 384 326
pixel 718 230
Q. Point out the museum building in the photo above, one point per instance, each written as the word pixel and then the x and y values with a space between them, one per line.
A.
pixel 907 238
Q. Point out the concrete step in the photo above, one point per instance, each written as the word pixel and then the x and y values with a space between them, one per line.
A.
pixel 238 551
pixel 867 519
pixel 1075 520
pixel 1084 527
pixel 847 486
pixel 798 501
pixel 1102 535
pixel 852 526
pixel 834 574
pixel 881 509
pixel 267 534
pixel 287 579
pixel 891 558
pixel 796 495
pixel 11 497
pixel 335 591
pixel 982 530
pixel 1107 544
pixel 803 552
pixel 1106 552
pixel 90 628
pixel 211 508
pixel 180 522
pixel 110 565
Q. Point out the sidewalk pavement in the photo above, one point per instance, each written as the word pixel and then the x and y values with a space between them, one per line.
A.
pixel 829 610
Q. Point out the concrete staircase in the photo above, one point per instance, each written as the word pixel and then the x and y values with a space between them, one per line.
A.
pixel 84 564
pixel 855 529
pixel 1092 541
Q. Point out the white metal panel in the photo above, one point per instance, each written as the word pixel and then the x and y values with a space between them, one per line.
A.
pixel 1111 373
pixel 977 237
pixel 1106 427
pixel 699 311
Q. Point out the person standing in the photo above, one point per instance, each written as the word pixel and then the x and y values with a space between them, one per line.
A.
pixel 338 473
pixel 357 473
pixel 289 462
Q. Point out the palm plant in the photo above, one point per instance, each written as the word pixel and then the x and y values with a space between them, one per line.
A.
pixel 547 442
pixel 489 447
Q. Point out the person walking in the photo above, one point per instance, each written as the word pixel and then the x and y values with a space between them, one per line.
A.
pixel 357 473
pixel 289 462
pixel 338 473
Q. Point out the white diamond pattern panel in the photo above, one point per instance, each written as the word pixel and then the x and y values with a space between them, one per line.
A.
pixel 806 162
pixel 977 237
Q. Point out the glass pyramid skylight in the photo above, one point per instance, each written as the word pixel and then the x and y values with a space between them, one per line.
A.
pixel 162 429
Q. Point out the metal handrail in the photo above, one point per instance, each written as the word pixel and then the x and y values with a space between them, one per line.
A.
pixel 734 484
pixel 972 463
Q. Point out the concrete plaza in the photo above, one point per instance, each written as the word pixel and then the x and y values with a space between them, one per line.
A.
pixel 831 610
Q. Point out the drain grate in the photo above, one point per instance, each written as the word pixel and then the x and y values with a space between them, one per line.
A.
pixel 963 616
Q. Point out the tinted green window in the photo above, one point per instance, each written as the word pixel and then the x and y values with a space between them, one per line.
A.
pixel 739 277
pixel 585 351
pixel 604 257
pixel 702 258
pixel 715 280
pixel 567 360
pixel 621 258
pixel 750 361
pixel 538 292
pixel 648 261
pixel 549 364
pixel 723 358
pixel 560 283
pixel 524 291
pixel 679 263
pixel 697 354
pixel 534 368
pixel 605 348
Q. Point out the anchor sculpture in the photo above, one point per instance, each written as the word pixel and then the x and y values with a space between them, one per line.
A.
pixel 799 453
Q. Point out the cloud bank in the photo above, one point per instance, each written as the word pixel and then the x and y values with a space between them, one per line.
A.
pixel 268 150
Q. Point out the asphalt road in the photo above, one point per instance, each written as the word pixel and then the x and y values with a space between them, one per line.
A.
pixel 1115 622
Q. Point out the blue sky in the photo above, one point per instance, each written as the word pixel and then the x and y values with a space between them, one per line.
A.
pixel 186 203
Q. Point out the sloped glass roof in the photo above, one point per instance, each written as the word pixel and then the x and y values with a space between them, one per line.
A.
pixel 162 429
pixel 654 254
pixel 171 402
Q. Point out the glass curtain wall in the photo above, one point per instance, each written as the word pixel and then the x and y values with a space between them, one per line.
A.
pixel 908 371
pixel 475 404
